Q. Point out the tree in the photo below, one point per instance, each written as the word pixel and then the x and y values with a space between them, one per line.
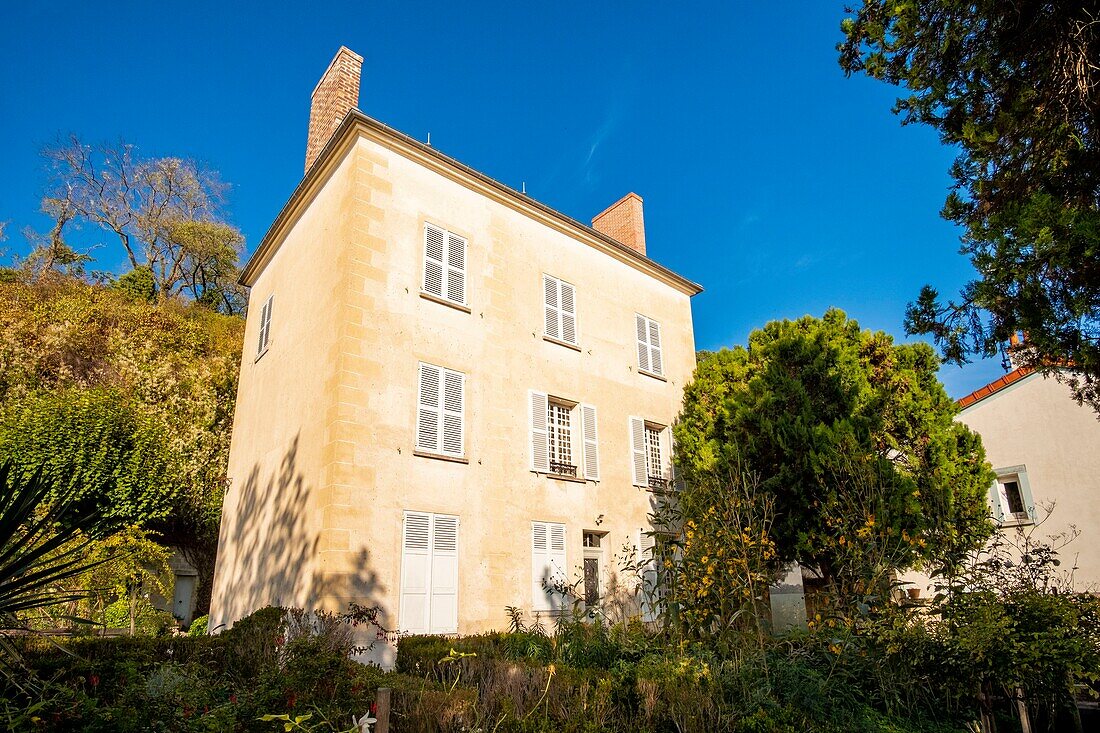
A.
pixel 852 436
pixel 165 213
pixel 1015 87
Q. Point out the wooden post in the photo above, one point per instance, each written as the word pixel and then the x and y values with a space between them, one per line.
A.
pixel 382 710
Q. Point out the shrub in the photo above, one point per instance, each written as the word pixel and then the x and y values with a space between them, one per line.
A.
pixel 200 626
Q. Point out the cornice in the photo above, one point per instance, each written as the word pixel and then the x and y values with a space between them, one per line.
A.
pixel 356 125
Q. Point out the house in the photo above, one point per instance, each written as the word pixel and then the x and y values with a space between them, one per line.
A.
pixel 1045 450
pixel 452 396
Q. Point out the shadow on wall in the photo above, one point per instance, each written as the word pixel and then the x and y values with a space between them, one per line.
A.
pixel 266 545
pixel 271 553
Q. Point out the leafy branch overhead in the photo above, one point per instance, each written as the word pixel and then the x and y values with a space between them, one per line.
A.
pixel 165 213
pixel 1015 87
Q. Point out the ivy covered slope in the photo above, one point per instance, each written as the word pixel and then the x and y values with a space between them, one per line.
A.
pixel 128 400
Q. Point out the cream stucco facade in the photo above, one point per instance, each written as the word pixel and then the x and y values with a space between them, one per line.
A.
pixel 323 465
pixel 1033 427
pixel 1039 439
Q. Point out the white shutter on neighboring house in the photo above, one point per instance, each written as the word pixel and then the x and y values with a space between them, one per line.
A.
pixel 456 268
pixel 540 454
pixel 440 410
pixel 429 574
pixel 637 452
pixel 560 309
pixel 591 443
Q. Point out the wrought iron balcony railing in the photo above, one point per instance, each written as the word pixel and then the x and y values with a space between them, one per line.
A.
pixel 658 483
pixel 563 469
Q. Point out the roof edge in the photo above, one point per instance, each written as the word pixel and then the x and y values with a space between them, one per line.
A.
pixel 355 119
pixel 994 387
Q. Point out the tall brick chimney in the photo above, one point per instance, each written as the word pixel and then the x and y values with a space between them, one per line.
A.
pixel 334 96
pixel 622 221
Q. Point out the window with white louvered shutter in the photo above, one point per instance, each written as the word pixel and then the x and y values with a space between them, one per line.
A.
pixel 591 443
pixel 651 591
pixel 537 418
pixel 648 338
pixel 440 410
pixel 265 326
pixel 548 564
pixel 638 472
pixel 444 264
pixel 429 574
pixel 560 309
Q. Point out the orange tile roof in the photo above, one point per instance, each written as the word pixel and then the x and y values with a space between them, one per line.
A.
pixel 996 386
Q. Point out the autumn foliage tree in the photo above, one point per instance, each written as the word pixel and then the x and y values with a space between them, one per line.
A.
pixel 851 436
pixel 1015 89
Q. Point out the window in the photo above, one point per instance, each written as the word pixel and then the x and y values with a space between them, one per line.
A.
pixel 555 447
pixel 548 563
pixel 265 327
pixel 1011 497
pixel 439 414
pixel 444 264
pixel 649 345
pixel 561 311
pixel 593 567
pixel 654 547
pixel 429 574
pixel 559 436
pixel 651 454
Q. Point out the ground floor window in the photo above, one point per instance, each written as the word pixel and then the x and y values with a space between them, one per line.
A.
pixel 429 574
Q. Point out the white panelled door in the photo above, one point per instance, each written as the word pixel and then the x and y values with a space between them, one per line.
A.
pixel 429 574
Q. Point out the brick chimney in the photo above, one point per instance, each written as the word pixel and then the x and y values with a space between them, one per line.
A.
pixel 622 221
pixel 334 96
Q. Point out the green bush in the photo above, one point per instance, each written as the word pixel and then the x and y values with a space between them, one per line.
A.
pixel 200 626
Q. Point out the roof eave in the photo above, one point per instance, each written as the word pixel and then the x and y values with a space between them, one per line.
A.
pixel 346 133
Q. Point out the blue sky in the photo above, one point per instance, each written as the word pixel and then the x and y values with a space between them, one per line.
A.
pixel 779 185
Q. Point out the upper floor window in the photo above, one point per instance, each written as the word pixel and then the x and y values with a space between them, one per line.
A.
pixel 563 437
pixel 649 345
pixel 1012 501
pixel 265 327
pixel 440 414
pixel 560 309
pixel 444 264
pixel 651 454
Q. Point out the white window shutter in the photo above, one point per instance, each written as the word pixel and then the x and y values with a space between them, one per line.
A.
pixel 453 414
pixel 568 312
pixel 999 499
pixel 456 268
pixel 1025 495
pixel 415 572
pixel 428 416
pixel 557 563
pixel 443 605
pixel 434 256
pixel 552 308
pixel 591 443
pixel 540 452
pixel 265 324
pixel 641 328
pixel 637 452
pixel 667 469
pixel 647 561
pixel 540 566
pixel 656 363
